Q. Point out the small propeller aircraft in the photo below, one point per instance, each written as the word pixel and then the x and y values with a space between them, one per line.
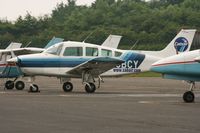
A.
pixel 12 72
pixel 183 66
pixel 71 59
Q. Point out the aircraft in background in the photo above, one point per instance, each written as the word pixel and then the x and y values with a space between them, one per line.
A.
pixel 142 60
pixel 70 59
pixel 184 66
pixel 14 50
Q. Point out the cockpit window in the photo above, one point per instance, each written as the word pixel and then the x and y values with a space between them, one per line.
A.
pixel 105 52
pixel 73 51
pixel 91 51
pixel 56 49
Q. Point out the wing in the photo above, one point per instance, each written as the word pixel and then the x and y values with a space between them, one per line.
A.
pixel 22 51
pixel 96 66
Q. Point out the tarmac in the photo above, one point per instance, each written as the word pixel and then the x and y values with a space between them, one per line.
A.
pixel 121 105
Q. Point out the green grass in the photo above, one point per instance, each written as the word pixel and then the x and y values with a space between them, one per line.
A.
pixel 145 74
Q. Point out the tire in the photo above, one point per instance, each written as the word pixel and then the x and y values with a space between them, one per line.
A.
pixel 34 88
pixel 9 85
pixel 19 85
pixel 188 97
pixel 67 87
pixel 91 88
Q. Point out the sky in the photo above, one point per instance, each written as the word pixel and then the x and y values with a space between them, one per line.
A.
pixel 12 9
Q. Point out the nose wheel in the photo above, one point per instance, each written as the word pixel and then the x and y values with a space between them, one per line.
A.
pixel 34 88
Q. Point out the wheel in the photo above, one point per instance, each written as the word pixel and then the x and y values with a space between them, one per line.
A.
pixel 9 85
pixel 34 88
pixel 19 85
pixel 188 97
pixel 67 87
pixel 91 88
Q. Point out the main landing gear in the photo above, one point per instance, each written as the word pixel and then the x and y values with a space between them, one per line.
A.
pixel 19 85
pixel 87 79
pixel 67 87
pixel 89 87
pixel 189 96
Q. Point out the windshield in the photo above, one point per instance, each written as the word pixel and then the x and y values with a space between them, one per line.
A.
pixel 56 49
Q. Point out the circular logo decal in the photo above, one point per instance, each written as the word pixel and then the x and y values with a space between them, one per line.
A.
pixel 181 44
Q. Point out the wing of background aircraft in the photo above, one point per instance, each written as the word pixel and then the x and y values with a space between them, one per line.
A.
pixel 14 45
pixel 112 41
pixel 96 66
pixel 22 51
pixel 28 50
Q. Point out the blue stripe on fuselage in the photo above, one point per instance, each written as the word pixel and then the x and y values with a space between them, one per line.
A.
pixel 52 62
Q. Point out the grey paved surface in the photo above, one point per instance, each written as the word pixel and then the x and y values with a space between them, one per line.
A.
pixel 122 105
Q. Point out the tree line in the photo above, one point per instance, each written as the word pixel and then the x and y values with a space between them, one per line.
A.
pixel 151 24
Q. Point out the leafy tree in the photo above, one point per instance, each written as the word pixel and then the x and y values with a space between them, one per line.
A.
pixel 151 24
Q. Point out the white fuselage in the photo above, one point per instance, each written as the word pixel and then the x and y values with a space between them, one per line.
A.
pixel 58 64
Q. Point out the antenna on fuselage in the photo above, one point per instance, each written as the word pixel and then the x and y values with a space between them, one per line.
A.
pixel 88 36
pixel 28 44
pixel 134 44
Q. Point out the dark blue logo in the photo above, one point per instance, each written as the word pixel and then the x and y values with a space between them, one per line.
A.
pixel 131 64
pixel 181 44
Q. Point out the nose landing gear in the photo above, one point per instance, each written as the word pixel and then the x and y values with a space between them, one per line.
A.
pixel 34 88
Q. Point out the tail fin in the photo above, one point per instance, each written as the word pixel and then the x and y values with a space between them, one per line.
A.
pixel 14 45
pixel 181 43
pixel 53 41
pixel 112 41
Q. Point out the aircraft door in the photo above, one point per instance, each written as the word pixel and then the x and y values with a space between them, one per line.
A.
pixel 70 57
